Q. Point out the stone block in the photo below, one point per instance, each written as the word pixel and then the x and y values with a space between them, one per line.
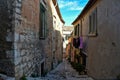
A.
pixel 17 60
pixel 18 10
pixel 22 38
pixel 17 68
pixel 17 37
pixel 10 54
pixel 16 53
pixel 23 52
pixel 9 36
pixel 18 4
pixel 15 46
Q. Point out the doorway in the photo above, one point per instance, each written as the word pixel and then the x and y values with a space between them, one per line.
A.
pixel 42 69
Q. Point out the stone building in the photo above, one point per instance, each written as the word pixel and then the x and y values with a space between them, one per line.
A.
pixel 68 49
pixel 78 54
pixel 26 28
pixel 100 28
pixel 67 30
pixel 57 42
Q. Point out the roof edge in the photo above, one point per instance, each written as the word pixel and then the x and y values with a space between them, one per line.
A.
pixel 86 8
pixel 58 10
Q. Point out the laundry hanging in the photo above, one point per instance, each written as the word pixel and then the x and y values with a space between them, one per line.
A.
pixel 76 42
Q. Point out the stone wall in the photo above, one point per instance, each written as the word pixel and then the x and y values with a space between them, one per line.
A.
pixel 58 48
pixel 31 52
pixel 20 45
pixel 6 37
pixel 27 50
pixel 47 42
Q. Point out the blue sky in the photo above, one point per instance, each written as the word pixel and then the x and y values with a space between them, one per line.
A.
pixel 70 9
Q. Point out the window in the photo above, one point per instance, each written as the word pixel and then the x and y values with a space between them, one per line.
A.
pixel 42 31
pixel 93 23
pixel 76 29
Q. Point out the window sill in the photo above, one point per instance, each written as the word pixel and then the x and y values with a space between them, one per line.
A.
pixel 92 35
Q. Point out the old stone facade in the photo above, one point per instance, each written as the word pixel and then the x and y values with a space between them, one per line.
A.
pixel 57 41
pixel 78 54
pixel 67 31
pixel 26 38
pixel 99 22
pixel 6 37
pixel 26 28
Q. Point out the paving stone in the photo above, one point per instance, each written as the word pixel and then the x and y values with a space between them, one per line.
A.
pixel 64 71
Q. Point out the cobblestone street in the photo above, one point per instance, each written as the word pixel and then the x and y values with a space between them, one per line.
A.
pixel 64 71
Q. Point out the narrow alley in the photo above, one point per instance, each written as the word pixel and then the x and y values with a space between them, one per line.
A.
pixel 59 39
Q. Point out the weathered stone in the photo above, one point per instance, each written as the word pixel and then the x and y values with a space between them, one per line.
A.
pixel 9 36
pixel 17 60
pixel 17 37
pixel 10 54
pixel 18 11
pixel 16 53
pixel 6 37
pixel 23 52
pixel 30 52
